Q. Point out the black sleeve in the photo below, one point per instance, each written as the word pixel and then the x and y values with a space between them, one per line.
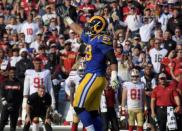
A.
pixel 48 99
pixel 30 100
pixel 111 57
pixel 2 90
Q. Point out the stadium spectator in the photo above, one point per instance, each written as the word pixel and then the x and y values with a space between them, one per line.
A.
pixel 156 55
pixel 29 28
pixel 15 57
pixel 34 46
pixel 4 65
pixel 68 57
pixel 174 21
pixel 168 43
pixel 22 65
pixel 177 37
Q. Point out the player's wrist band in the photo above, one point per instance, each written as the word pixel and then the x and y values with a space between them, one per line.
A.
pixel 69 21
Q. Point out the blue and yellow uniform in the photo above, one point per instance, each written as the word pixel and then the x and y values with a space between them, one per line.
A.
pixel 90 88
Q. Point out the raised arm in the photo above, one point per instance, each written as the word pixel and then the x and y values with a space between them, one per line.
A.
pixel 74 26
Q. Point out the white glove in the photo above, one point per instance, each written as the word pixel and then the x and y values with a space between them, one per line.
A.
pixel 114 80
pixel 4 102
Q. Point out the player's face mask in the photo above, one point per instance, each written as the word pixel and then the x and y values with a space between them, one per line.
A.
pixel 96 25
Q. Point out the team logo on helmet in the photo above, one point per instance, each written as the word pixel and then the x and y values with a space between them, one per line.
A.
pixel 135 75
pixel 96 25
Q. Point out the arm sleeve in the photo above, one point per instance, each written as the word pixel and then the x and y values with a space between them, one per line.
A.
pixel 2 91
pixel 26 89
pixel 49 100
pixel 30 100
pixel 67 86
pixel 50 87
pixel 84 37
pixel 111 57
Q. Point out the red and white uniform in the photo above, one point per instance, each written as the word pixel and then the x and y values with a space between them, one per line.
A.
pixel 73 77
pixel 34 79
pixel 134 94
pixel 30 30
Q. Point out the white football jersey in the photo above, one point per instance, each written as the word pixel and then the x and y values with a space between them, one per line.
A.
pixel 156 57
pixel 30 30
pixel 73 77
pixel 34 79
pixel 135 92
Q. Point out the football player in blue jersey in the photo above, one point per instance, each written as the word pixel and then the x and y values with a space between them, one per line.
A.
pixel 99 51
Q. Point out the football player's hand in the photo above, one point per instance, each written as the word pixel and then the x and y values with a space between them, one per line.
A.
pixel 27 120
pixel 153 115
pixel 123 111
pixel 53 106
pixel 114 80
pixel 145 110
pixel 177 109
pixel 19 122
pixel 48 121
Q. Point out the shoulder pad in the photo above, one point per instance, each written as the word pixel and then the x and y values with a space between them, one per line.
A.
pixel 29 72
pixel 47 71
pixel 105 39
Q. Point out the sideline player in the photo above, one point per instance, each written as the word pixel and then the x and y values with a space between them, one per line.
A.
pixel 134 95
pixel 35 78
pixel 99 50
pixel 71 84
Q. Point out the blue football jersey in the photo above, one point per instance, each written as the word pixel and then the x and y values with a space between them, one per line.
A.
pixel 95 51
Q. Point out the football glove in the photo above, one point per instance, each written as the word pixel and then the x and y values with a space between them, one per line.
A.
pixel 61 11
pixel 114 80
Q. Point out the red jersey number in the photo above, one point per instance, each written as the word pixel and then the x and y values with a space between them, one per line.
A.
pixel 135 94
pixel 38 82
pixel 29 31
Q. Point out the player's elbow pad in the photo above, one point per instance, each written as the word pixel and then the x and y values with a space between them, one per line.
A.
pixel 111 57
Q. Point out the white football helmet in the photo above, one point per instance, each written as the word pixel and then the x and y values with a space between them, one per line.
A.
pixel 135 74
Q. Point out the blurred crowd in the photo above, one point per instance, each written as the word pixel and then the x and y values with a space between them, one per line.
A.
pixel 147 35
